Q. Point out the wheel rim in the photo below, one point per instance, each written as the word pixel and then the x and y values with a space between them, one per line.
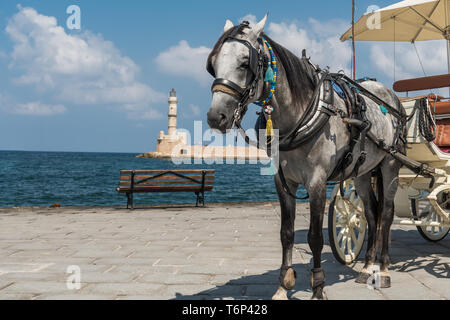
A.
pixel 428 214
pixel 349 223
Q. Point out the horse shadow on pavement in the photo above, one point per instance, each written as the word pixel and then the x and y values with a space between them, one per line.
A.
pixel 263 286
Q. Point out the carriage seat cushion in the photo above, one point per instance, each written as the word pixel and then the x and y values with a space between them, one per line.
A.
pixel 442 107
pixel 442 133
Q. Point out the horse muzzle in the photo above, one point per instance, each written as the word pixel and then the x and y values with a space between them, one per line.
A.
pixel 221 114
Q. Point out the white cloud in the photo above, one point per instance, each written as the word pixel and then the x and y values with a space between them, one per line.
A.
pixel 9 104
pixel 79 69
pixel 150 114
pixel 321 41
pixel 185 61
pixel 433 55
pixel 324 48
pixel 39 109
pixel 195 110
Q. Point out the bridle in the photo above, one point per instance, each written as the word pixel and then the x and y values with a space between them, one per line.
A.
pixel 257 62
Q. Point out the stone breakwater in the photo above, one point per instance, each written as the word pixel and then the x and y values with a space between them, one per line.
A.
pixel 211 152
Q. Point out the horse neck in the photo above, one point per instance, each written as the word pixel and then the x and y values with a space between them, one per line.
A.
pixel 289 106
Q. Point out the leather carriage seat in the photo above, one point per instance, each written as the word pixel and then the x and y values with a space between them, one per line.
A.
pixel 424 83
pixel 442 106
pixel 438 105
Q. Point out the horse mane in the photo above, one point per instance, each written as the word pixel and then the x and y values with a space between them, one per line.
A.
pixel 298 71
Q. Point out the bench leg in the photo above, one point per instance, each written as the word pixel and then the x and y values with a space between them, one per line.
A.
pixel 200 198
pixel 132 205
pixel 130 201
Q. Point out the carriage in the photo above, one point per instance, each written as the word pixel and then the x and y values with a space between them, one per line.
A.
pixel 417 202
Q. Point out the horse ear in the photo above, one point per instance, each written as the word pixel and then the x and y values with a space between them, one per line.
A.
pixel 228 25
pixel 259 27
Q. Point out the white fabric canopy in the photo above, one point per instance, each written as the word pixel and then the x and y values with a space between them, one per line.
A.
pixel 410 20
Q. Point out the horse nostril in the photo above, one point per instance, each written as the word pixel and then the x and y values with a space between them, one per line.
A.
pixel 222 117
pixel 216 119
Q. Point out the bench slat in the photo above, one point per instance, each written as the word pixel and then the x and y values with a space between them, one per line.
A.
pixel 165 177
pixel 199 171
pixel 164 189
pixel 158 182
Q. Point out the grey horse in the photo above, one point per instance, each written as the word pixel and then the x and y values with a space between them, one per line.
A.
pixel 312 163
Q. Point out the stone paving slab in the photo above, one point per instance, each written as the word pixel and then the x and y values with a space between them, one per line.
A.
pixel 222 251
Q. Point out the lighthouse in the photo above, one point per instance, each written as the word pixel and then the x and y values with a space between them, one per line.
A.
pixel 166 143
pixel 173 101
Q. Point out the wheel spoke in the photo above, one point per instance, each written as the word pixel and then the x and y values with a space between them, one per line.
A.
pixel 353 235
pixel 354 207
pixel 341 234
pixel 343 245
pixel 349 244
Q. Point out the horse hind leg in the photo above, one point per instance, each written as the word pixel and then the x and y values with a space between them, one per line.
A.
pixel 389 170
pixel 365 192
pixel 287 273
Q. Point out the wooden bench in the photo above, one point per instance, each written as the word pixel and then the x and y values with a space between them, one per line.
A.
pixel 141 181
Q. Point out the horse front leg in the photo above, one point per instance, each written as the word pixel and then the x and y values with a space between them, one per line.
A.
pixel 287 272
pixel 317 193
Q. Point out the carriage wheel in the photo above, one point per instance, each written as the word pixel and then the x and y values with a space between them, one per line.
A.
pixel 426 212
pixel 346 224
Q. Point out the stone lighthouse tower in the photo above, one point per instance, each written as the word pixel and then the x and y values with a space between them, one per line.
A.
pixel 166 144
pixel 172 113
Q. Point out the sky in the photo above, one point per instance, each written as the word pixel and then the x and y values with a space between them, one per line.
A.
pixel 104 87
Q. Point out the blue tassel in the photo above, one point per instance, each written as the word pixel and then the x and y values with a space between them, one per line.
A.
pixel 269 75
pixel 271 170
pixel 383 109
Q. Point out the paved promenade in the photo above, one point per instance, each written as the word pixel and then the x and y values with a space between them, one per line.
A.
pixel 222 251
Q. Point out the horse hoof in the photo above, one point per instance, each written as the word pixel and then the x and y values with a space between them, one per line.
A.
pixel 281 294
pixel 289 279
pixel 319 294
pixel 362 277
pixel 385 282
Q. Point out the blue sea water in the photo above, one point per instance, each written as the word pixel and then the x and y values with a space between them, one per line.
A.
pixel 91 179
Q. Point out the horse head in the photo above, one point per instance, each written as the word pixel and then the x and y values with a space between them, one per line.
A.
pixel 236 63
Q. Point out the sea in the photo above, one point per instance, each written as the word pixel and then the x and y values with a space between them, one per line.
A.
pixel 90 179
